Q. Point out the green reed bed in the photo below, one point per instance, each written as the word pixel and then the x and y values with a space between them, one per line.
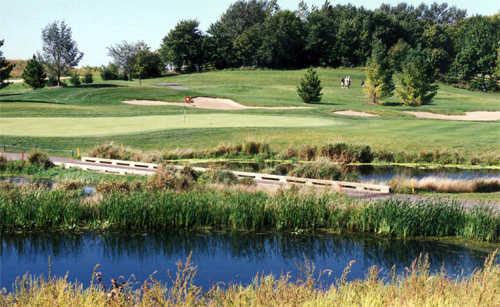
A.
pixel 34 210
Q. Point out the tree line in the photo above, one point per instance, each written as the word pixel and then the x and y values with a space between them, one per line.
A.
pixel 257 33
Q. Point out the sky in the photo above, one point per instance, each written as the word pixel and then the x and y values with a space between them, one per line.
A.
pixel 97 24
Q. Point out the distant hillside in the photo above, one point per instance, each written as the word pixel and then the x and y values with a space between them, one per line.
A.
pixel 18 69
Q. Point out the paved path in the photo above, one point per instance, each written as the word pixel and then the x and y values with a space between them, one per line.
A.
pixel 274 186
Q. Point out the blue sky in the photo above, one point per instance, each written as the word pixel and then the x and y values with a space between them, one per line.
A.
pixel 98 24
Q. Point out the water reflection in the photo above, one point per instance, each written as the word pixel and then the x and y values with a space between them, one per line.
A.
pixel 227 258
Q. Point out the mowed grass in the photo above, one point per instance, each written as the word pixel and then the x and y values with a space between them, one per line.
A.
pixel 393 130
pixel 102 126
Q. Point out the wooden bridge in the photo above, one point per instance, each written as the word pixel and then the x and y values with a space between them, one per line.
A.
pixel 123 167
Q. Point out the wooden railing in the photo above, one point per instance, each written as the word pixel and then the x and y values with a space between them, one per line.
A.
pixel 140 168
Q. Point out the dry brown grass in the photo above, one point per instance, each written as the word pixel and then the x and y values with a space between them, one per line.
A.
pixel 444 185
pixel 416 288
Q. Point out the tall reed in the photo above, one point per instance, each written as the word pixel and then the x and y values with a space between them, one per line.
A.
pixel 242 210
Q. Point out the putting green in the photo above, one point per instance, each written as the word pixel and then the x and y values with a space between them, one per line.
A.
pixel 103 126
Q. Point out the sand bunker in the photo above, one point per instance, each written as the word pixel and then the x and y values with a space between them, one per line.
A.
pixel 206 103
pixel 469 116
pixel 355 113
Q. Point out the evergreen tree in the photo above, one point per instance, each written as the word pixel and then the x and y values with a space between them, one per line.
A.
pixel 415 84
pixel 379 82
pixel 310 88
pixel 5 67
pixel 34 74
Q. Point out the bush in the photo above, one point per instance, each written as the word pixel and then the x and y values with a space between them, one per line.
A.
pixel 169 177
pixel 219 176
pixel 40 159
pixel 322 169
pixel 88 78
pixel 309 89
pixel 34 73
pixel 484 84
pixel 75 79
pixel 110 72
pixel 52 81
pixel 3 163
pixel 282 169
pixel 308 152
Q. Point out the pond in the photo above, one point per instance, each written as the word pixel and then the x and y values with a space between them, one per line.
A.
pixel 224 258
pixel 365 173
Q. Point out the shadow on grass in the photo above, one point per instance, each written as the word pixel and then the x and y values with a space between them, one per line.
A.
pixel 10 94
pixel 30 101
pixel 98 85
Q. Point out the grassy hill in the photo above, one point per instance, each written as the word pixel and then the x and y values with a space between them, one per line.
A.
pixel 34 111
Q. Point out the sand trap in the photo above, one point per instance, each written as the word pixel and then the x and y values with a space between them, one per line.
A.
pixel 355 113
pixel 469 116
pixel 206 103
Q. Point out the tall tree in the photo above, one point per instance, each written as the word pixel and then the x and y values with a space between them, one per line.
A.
pixel 283 41
pixel 60 51
pixel 124 56
pixel 415 84
pixel 476 44
pixel 148 64
pixel 379 82
pixel 5 67
pixel 34 73
pixel 183 45
pixel 236 21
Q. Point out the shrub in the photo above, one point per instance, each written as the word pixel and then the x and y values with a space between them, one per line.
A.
pixel 308 152
pixel 3 163
pixel 52 81
pixel 169 177
pixel 40 159
pixel 219 176
pixel 282 169
pixel 255 148
pixel 110 72
pixel 34 73
pixel 88 78
pixel 75 79
pixel 309 89
pixel 321 169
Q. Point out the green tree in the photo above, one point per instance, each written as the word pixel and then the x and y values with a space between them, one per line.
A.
pixel 34 73
pixel 309 88
pixel 5 67
pixel 236 27
pixel 124 56
pixel 148 64
pixel 183 45
pixel 476 42
pixel 416 83
pixel 60 51
pixel 110 72
pixel 379 82
pixel 283 41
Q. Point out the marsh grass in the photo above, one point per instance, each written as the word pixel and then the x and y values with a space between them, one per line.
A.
pixel 444 185
pixel 229 209
pixel 417 287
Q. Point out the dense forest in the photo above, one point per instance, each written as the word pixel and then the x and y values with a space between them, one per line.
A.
pixel 257 33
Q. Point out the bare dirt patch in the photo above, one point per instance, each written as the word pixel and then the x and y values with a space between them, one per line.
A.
pixel 206 103
pixel 355 113
pixel 469 116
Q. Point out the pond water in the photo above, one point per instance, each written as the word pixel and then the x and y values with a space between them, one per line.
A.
pixel 369 173
pixel 225 258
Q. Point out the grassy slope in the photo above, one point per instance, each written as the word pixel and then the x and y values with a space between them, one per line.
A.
pixel 393 130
